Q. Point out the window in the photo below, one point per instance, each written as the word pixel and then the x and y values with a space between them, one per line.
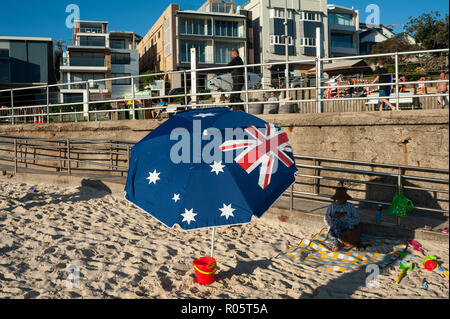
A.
pixel 194 27
pixel 91 41
pixel 83 77
pixel 221 7
pixel 151 43
pixel 279 39
pixel 310 16
pixel 5 76
pixel 87 59
pixel 4 53
pixel 226 29
pixel 159 34
pixel 223 52
pixel 120 58
pixel 185 51
pixel 307 42
pixel 342 40
pixel 117 44
pixel 341 19
pixel 121 81
pixel 279 13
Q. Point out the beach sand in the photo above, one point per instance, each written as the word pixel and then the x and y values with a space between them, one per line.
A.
pixel 122 252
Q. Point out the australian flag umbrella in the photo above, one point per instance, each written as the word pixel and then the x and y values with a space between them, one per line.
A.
pixel 210 167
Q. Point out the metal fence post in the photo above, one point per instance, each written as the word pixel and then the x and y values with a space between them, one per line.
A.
pixel 397 93
pixel 246 88
pixel 48 105
pixel 87 102
pixel 69 170
pixel 399 185
pixel 318 70
pixel 12 108
pixel 15 156
pixel 291 198
pixel 185 88
pixel 133 90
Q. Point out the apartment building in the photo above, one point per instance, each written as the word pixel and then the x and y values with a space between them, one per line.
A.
pixel 26 61
pixel 98 54
pixel 215 29
pixel 303 17
pixel 343 26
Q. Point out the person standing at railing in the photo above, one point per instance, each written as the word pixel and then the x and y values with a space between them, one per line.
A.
pixel 237 75
pixel 383 76
pixel 442 88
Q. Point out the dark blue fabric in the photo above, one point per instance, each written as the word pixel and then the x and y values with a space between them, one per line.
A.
pixel 201 190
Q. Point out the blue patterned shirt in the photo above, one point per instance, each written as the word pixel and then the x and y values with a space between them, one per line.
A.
pixel 352 217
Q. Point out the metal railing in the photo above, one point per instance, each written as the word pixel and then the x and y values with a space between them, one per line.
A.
pixel 316 179
pixel 18 110
pixel 323 174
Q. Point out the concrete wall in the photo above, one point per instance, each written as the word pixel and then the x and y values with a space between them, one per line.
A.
pixel 411 138
pixel 415 138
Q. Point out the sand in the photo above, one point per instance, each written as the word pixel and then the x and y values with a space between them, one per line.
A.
pixel 121 252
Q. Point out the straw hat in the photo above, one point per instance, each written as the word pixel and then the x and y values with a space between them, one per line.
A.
pixel 341 194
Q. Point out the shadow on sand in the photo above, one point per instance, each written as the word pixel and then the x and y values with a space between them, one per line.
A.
pixel 89 189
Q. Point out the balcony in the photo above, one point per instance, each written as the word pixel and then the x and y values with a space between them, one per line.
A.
pixel 342 27
pixel 91 30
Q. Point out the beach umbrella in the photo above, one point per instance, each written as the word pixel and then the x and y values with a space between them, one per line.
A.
pixel 207 168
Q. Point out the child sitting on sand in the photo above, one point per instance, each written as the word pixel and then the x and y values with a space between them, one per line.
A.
pixel 342 218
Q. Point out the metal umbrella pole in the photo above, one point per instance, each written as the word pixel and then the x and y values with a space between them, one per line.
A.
pixel 212 240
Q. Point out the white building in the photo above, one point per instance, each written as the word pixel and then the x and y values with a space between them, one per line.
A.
pixel 98 54
pixel 304 16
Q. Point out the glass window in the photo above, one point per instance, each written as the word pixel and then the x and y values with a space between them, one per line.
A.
pixel 342 40
pixel 87 59
pixel 223 52
pixel 117 44
pixel 185 51
pixel 4 53
pixel 307 42
pixel 194 27
pixel 4 71
pixel 341 19
pixel 120 58
pixel 279 39
pixel 226 29
pixel 221 7
pixel 121 81
pixel 279 13
pixel 83 77
pixel 92 41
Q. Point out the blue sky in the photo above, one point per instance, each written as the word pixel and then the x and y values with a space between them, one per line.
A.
pixel 46 18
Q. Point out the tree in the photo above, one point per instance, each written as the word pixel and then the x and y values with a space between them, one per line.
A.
pixel 429 30
pixel 148 80
pixel 390 46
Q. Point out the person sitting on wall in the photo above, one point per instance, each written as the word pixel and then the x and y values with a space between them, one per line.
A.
pixel 161 106
pixel 342 220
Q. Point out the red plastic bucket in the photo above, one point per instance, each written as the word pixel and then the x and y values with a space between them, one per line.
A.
pixel 205 268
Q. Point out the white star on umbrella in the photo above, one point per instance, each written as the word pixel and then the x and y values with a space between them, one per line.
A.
pixel 227 211
pixel 176 197
pixel 153 177
pixel 217 167
pixel 205 115
pixel 188 216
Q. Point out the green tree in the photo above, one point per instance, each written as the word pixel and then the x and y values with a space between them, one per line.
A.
pixel 429 30
pixel 390 46
pixel 148 80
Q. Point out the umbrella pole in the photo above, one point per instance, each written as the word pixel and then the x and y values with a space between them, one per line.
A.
pixel 212 240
